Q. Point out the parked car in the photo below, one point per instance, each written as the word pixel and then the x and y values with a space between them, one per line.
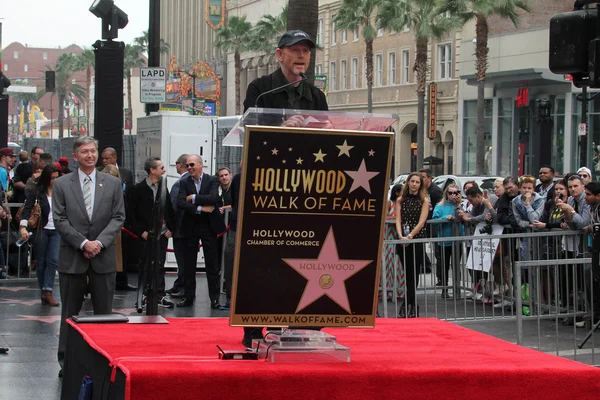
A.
pixel 399 179
pixel 484 182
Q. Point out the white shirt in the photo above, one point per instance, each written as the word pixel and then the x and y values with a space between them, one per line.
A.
pixel 82 176
pixel 197 183
pixel 50 224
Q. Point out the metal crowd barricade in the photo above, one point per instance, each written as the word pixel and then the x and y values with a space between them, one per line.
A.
pixel 540 275
pixel 7 253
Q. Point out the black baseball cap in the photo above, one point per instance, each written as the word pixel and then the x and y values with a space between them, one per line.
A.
pixel 292 37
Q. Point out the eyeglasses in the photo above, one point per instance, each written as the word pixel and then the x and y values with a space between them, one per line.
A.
pixel 190 165
pixel 453 193
pixel 584 175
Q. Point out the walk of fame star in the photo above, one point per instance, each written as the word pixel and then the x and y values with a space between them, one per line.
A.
pixel 49 319
pixel 361 178
pixel 326 274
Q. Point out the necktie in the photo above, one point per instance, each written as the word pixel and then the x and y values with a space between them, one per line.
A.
pixel 87 195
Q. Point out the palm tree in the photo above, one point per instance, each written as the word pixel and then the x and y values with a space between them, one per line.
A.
pixel 236 36
pixel 269 29
pixel 133 59
pixel 481 10
pixel 86 61
pixel 426 21
pixel 352 15
pixel 142 42
pixel 65 68
pixel 304 15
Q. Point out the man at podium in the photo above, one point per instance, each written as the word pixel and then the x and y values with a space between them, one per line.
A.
pixel 287 88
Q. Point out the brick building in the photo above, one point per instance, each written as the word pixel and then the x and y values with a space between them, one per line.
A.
pixel 22 61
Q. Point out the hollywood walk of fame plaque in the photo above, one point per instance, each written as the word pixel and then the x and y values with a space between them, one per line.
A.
pixel 310 232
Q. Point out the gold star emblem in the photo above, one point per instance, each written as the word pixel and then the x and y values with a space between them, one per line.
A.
pixel 371 153
pixel 274 151
pixel 299 161
pixel 344 148
pixel 284 161
pixel 320 156
pixel 258 157
pixel 290 149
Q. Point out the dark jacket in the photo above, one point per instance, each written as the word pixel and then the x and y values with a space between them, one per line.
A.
pixel 192 224
pixel 141 203
pixel 504 211
pixel 235 201
pixel 179 214
pixel 311 99
pixel 42 198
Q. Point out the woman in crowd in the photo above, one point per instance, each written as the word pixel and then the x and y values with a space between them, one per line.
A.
pixel 412 208
pixel 394 278
pixel 551 247
pixel 47 240
pixel 445 210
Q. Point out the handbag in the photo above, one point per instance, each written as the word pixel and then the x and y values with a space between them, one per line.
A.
pixel 34 217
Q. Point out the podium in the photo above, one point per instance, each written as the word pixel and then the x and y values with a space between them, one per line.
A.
pixel 311 213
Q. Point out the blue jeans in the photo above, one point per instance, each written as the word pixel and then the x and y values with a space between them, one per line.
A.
pixel 47 246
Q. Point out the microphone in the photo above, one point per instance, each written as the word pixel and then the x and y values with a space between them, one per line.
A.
pixel 302 77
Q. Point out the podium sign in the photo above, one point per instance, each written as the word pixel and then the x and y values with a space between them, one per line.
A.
pixel 310 230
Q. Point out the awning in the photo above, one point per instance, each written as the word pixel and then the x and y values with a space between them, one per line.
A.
pixel 518 77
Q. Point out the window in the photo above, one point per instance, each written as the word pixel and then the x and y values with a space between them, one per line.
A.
pixel 354 72
pixel 26 68
pixel 356 34
pixel 391 68
pixel 343 75
pixel 333 81
pixel 378 70
pixel 379 30
pixel 333 32
pixel 320 33
pixel 45 55
pixel 344 36
pixel 5 67
pixel 445 61
pixel 405 66
pixel 319 69
pixel 16 55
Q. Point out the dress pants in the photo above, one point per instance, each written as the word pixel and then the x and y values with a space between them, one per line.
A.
pixel 209 248
pixel 179 249
pixel 412 258
pixel 72 289
pixel 228 265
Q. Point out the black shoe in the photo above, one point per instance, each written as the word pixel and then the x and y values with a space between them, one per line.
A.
pixel 214 304
pixel 178 295
pixel 163 302
pixel 439 283
pixel 186 303
pixel 413 311
pixel 402 313
pixel 126 287
pixel 171 291
pixel 445 294
pixel 247 341
pixel 226 307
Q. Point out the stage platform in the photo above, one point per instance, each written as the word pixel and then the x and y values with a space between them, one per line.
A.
pixel 399 359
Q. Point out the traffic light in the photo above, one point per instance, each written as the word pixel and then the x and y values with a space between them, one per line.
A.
pixel 574 46
pixel 50 81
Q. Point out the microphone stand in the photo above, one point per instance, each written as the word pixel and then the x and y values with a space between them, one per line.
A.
pixel 302 78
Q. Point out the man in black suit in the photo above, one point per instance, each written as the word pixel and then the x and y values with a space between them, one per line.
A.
pixel 143 195
pixel 23 172
pixel 128 249
pixel 198 198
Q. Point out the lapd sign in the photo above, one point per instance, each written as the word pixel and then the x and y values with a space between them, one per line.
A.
pixel 310 227
pixel 153 85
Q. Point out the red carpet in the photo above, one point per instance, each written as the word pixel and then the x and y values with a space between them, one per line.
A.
pixel 399 359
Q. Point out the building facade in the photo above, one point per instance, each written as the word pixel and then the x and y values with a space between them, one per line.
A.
pixel 532 115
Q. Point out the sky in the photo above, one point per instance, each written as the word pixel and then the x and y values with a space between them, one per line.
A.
pixel 54 23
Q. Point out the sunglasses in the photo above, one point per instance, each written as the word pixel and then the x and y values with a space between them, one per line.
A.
pixel 453 193
pixel 584 175
pixel 190 165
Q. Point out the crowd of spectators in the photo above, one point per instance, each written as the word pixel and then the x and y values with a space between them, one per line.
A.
pixel 517 205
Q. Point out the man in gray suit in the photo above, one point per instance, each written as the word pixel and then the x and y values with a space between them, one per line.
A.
pixel 88 213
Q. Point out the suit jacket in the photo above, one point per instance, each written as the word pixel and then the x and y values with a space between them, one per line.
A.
pixel 141 203
pixel 74 225
pixel 209 195
pixel 179 214
pixel 126 178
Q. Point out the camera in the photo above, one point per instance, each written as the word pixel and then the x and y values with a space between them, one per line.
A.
pixel 575 44
pixel 561 196
pixel 487 229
